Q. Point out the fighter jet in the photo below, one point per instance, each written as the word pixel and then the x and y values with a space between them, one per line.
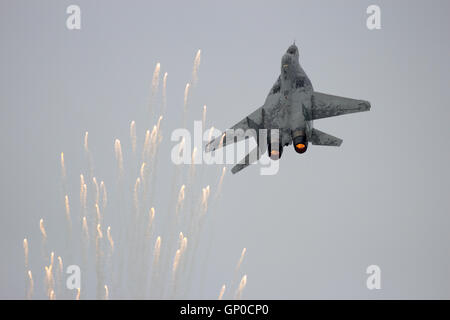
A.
pixel 291 106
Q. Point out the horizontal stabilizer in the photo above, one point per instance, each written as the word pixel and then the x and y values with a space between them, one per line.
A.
pixel 326 105
pixel 324 139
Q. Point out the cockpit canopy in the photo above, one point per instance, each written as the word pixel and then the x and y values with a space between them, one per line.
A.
pixel 292 49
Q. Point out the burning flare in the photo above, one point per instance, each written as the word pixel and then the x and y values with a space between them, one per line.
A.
pixel 157 251
pixel 104 194
pixel 85 229
pixel 242 285
pixel 119 156
pixel 30 285
pixel 66 204
pixel 241 259
pixel 86 146
pixel 63 166
pixel 196 66
pixel 204 117
pixel 164 91
pixel 110 239
pixel 25 250
pixel 155 79
pixel 186 95
pixel 106 292
pixel 222 291
pixel 133 136
pixel 97 190
pixel 42 228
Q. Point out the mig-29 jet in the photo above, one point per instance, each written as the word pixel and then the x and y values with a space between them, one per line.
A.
pixel 290 107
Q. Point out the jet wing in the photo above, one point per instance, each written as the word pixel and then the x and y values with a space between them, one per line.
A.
pixel 253 121
pixel 256 121
pixel 327 105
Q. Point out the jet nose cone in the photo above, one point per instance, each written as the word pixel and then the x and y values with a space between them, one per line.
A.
pixel 292 49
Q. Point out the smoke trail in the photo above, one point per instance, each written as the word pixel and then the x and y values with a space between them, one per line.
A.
pixel 133 136
pixel 30 286
pixel 204 204
pixel 104 195
pixel 66 204
pixel 153 136
pixel 44 237
pixel 52 258
pixel 59 274
pixel 136 194
pixel 98 215
pixel 86 146
pixel 219 186
pixel 195 67
pixel 222 291
pixel 155 79
pixel 236 274
pixel 88 153
pixel 85 230
pixel 155 85
pixel 83 194
pixel 242 285
pixel 146 147
pixel 60 264
pixel 192 167
pixel 99 262
pixel 63 167
pixel 181 196
pixel 25 251
pixel 151 217
pixel 180 238
pixel 97 190
pixel 154 285
pixel 176 261
pixel 84 241
pixel 186 96
pixel 119 157
pixel 164 93
pixel 183 245
pixel 42 228
pixel 158 126
pixel 99 232
pixel 241 259
pixel 110 239
pixel 68 220
pixel 204 118
pixel 142 172
pixel 157 250
pixel 106 293
pixel 49 280
pixel 51 268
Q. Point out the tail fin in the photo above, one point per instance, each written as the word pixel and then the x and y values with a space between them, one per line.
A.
pixel 324 139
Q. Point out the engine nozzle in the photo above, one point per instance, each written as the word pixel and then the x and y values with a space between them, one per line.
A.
pixel 300 144
pixel 275 151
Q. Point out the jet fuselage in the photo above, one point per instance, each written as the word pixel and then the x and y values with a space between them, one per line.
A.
pixel 288 114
